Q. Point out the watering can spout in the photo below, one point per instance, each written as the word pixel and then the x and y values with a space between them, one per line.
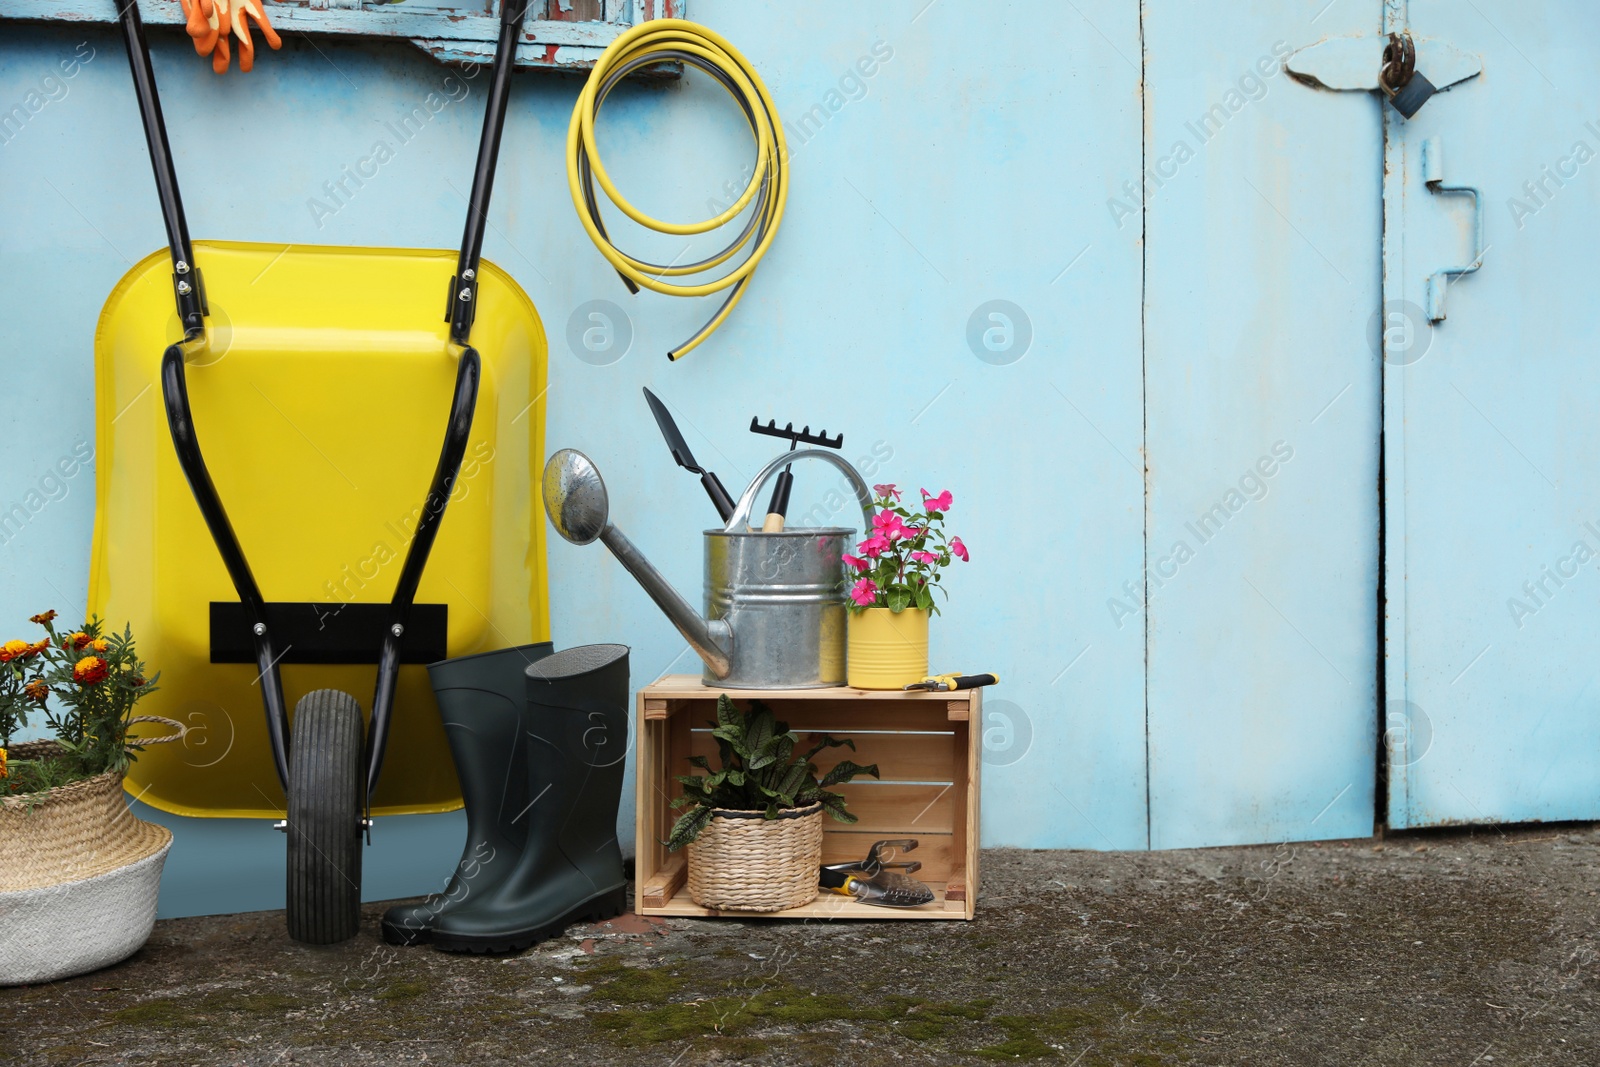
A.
pixel 575 498
pixel 711 640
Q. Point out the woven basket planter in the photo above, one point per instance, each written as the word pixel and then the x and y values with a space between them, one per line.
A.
pixel 79 876
pixel 743 861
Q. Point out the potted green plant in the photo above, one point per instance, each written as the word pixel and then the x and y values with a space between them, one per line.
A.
pixel 891 589
pixel 78 873
pixel 753 828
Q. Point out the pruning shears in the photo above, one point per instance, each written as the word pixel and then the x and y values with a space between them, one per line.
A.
pixel 945 683
pixel 872 881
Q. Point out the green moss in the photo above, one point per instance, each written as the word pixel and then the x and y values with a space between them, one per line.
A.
pixel 921 1020
pixel 1025 1047
pixel 403 991
pixel 253 1003
pixel 1066 1020
pixel 642 1007
pixel 777 1004
pixel 772 1004
pixel 617 982
pixel 162 1012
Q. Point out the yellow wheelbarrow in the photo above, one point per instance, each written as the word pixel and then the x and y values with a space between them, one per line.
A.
pixel 321 387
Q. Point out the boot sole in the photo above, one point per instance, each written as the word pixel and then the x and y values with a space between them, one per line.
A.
pixel 405 935
pixel 607 905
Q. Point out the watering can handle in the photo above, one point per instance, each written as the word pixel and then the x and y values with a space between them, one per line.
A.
pixel 739 521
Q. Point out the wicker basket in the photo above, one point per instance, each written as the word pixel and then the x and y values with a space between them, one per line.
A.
pixel 79 876
pixel 743 861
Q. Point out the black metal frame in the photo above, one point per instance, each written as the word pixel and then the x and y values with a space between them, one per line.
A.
pixel 189 293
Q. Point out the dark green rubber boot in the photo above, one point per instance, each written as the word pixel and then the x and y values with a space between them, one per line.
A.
pixel 483 701
pixel 571 866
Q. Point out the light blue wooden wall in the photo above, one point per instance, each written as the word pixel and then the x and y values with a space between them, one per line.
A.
pixel 975 165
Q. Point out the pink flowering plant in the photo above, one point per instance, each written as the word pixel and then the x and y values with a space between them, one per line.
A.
pixel 903 554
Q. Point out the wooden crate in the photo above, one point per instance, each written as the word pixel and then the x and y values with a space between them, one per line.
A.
pixel 927 747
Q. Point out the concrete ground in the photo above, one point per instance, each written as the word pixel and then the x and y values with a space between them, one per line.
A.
pixel 1475 949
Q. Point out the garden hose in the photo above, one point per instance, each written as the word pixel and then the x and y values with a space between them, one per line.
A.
pixel 680 41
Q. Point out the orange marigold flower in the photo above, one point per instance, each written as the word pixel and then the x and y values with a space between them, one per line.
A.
pixel 100 644
pixel 12 649
pixel 90 670
pixel 77 640
pixel 37 690
pixel 44 618
pixel 3 772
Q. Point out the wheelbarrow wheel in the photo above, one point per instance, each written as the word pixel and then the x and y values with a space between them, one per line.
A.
pixel 324 868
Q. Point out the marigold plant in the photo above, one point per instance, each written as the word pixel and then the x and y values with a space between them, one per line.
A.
pixel 85 686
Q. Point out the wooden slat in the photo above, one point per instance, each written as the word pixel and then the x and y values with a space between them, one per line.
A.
pixel 659 889
pixel 461 33
pixel 826 906
pixel 839 718
pixel 385 21
pixel 971 746
pixel 900 757
pixel 893 810
pixel 649 765
pixel 574 10
pixel 959 710
pixel 689 686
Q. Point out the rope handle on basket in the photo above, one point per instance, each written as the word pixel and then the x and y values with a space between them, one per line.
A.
pixel 183 731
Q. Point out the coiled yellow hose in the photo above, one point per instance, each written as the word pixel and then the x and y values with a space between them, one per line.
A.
pixel 681 41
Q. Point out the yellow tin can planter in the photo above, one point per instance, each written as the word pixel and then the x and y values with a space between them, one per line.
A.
pixel 886 649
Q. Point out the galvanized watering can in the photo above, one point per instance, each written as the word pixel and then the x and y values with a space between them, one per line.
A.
pixel 774 614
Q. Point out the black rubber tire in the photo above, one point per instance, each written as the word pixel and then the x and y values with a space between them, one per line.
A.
pixel 325 810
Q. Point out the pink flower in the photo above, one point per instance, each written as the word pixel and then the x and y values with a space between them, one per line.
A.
pixel 886 490
pixel 887 524
pixel 854 561
pixel 925 557
pixel 864 592
pixel 874 546
pixel 958 548
pixel 936 504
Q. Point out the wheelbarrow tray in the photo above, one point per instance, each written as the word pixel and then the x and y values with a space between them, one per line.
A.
pixel 320 401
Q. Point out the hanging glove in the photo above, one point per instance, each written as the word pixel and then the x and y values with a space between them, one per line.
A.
pixel 242 12
pixel 202 24
pixel 211 22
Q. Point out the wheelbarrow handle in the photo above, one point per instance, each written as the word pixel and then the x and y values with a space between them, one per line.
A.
pixel 462 405
pixel 186 443
pixel 462 307
pixel 187 288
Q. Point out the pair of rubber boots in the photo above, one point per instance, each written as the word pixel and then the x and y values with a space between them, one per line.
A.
pixel 539 739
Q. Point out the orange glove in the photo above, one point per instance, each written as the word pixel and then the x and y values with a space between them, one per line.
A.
pixel 203 24
pixel 210 22
pixel 242 12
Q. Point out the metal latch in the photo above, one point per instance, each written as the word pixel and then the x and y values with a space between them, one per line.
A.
pixel 1355 64
pixel 1433 178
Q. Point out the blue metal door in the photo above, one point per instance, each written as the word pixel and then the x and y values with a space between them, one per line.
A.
pixel 1491 388
pixel 1262 220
